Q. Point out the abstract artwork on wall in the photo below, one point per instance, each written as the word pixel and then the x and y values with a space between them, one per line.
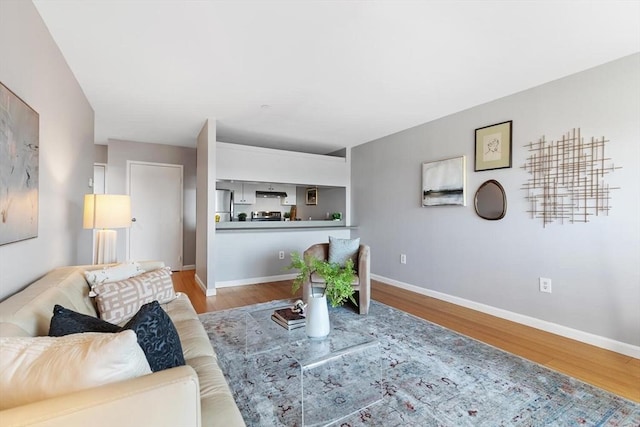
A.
pixel 566 178
pixel 19 145
pixel 443 182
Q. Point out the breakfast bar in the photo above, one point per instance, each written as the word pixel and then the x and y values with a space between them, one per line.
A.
pixel 259 252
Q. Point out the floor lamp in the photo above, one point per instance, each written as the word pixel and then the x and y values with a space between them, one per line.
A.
pixel 105 212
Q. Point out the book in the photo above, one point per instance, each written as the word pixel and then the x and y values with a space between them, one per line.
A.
pixel 289 316
pixel 285 325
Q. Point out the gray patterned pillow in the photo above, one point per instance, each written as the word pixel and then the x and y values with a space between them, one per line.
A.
pixel 340 250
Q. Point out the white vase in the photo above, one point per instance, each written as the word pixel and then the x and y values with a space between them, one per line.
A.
pixel 317 323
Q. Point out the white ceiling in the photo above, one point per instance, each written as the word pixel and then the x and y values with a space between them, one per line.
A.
pixel 318 76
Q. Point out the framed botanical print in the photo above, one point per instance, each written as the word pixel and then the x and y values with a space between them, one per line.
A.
pixel 493 147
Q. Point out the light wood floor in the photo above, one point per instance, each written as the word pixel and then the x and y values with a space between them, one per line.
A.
pixel 611 371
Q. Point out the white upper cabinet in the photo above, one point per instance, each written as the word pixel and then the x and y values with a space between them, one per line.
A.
pixel 290 200
pixel 246 194
pixel 243 193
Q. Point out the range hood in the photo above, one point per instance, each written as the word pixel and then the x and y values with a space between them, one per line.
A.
pixel 271 194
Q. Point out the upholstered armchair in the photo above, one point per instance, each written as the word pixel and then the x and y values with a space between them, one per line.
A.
pixel 361 283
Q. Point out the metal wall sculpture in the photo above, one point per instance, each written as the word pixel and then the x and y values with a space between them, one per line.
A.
pixel 567 179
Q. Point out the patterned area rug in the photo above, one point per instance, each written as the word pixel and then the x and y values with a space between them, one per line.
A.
pixel 431 376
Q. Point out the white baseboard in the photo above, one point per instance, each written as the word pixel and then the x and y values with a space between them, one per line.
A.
pixel 554 328
pixel 254 280
pixel 188 267
pixel 208 292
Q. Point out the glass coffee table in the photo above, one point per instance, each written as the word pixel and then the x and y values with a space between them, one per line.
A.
pixel 337 375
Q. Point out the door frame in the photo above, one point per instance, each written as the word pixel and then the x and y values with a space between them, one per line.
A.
pixel 128 185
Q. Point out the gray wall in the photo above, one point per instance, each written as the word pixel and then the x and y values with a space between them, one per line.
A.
pixel 594 266
pixel 32 66
pixel 329 200
pixel 100 154
pixel 121 151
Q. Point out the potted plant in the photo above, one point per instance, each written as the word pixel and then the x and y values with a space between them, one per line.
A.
pixel 336 216
pixel 338 278
pixel 287 216
pixel 338 289
pixel 242 216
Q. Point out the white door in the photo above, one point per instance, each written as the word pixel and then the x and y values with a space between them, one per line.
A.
pixel 156 212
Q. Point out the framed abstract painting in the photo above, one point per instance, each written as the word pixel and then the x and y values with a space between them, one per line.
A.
pixel 443 182
pixel 19 146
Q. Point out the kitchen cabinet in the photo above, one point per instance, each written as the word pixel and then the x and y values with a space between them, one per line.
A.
pixel 245 194
pixel 290 200
pixel 264 186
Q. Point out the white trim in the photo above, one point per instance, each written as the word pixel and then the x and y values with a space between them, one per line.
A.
pixel 205 290
pixel 254 280
pixel 554 328
pixel 188 267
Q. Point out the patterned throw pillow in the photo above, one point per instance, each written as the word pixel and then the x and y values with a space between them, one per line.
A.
pixel 340 250
pixel 118 272
pixel 157 336
pixel 66 322
pixel 155 332
pixel 31 366
pixel 119 301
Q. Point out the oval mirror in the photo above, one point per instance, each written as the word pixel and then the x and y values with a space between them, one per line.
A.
pixel 491 200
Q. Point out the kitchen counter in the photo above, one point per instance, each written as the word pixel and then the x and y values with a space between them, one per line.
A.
pixel 279 225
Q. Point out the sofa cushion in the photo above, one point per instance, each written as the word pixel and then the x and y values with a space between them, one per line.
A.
pixel 66 322
pixel 157 336
pixel 114 273
pixel 340 250
pixel 36 368
pixel 119 301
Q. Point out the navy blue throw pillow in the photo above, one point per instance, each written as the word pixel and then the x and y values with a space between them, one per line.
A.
pixel 65 322
pixel 157 336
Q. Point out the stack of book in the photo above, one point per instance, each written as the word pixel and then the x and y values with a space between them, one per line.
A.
pixel 288 318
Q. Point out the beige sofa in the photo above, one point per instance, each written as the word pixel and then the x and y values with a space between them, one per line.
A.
pixel 192 395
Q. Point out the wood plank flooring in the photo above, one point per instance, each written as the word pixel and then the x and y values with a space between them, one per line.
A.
pixel 611 371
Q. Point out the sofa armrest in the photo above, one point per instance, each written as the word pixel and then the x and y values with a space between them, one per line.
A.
pixel 166 398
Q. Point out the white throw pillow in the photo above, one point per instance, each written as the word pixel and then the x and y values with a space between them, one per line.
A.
pixel 37 368
pixel 116 273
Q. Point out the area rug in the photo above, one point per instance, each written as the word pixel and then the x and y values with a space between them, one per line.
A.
pixel 431 376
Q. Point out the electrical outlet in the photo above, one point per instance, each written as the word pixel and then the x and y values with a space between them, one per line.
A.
pixel 281 255
pixel 545 284
pixel 403 258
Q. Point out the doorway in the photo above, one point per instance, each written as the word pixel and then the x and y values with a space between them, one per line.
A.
pixel 156 212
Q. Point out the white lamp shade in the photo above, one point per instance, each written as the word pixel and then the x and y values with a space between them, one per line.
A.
pixel 107 211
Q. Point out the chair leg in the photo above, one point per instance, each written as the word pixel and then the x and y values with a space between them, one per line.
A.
pixel 363 302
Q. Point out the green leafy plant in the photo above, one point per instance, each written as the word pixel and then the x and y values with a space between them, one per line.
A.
pixel 338 278
pixel 242 216
pixel 336 216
